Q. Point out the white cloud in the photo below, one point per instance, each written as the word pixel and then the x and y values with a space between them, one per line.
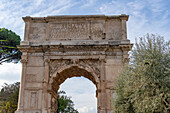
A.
pixel 147 16
pixel 38 2
pixel 88 3
pixel 9 73
pixel 12 11
pixel 83 109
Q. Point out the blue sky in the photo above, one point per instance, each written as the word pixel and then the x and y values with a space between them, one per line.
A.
pixel 146 16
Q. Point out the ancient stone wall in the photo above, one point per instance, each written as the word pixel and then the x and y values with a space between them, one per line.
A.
pixel 59 47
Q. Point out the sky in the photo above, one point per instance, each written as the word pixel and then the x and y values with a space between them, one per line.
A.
pixel 145 16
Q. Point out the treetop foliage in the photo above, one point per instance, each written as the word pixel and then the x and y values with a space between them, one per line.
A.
pixel 65 104
pixel 143 86
pixel 8 42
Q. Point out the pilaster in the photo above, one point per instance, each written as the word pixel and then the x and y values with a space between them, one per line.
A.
pixel 24 61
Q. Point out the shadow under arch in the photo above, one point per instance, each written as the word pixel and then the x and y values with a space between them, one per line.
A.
pixel 74 70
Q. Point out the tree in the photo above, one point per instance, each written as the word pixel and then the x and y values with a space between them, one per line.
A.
pixel 65 104
pixel 9 97
pixel 8 49
pixel 143 86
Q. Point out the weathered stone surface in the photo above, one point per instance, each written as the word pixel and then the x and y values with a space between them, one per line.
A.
pixel 59 47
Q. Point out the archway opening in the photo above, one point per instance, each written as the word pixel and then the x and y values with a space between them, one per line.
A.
pixel 82 92
pixel 82 75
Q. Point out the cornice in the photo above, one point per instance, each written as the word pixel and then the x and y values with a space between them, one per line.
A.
pixel 73 48
pixel 72 17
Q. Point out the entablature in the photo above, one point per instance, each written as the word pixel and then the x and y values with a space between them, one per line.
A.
pixel 72 28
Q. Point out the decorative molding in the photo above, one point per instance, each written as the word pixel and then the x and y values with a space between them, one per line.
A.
pixel 93 64
pixel 54 104
pixel 57 64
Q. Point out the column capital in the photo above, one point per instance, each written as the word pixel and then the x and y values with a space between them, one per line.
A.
pixel 24 60
pixel 47 60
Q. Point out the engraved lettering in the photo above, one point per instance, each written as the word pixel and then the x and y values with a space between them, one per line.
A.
pixel 78 30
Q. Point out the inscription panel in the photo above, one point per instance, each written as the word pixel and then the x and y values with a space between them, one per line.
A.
pixel 76 30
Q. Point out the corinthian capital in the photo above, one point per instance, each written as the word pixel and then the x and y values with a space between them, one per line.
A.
pixel 23 60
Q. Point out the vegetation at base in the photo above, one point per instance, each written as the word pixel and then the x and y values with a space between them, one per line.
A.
pixel 65 104
pixel 144 85
pixel 8 50
pixel 9 100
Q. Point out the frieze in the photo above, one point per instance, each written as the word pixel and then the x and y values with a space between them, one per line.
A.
pixel 76 53
pixel 36 54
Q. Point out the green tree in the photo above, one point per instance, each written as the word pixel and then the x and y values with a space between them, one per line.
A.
pixel 65 104
pixel 9 97
pixel 8 49
pixel 143 86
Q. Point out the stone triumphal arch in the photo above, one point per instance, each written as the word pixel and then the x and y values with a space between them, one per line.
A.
pixel 59 47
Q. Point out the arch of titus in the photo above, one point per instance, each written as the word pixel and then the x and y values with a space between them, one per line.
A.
pixel 59 47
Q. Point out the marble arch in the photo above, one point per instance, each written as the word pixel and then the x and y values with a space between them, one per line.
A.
pixel 58 47
pixel 61 76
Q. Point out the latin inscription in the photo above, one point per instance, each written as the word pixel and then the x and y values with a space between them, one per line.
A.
pixel 78 30
pixel 69 30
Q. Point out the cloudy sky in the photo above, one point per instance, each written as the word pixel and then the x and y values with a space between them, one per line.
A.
pixel 146 16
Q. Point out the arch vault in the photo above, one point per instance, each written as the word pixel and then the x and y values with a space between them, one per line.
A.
pixel 59 47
